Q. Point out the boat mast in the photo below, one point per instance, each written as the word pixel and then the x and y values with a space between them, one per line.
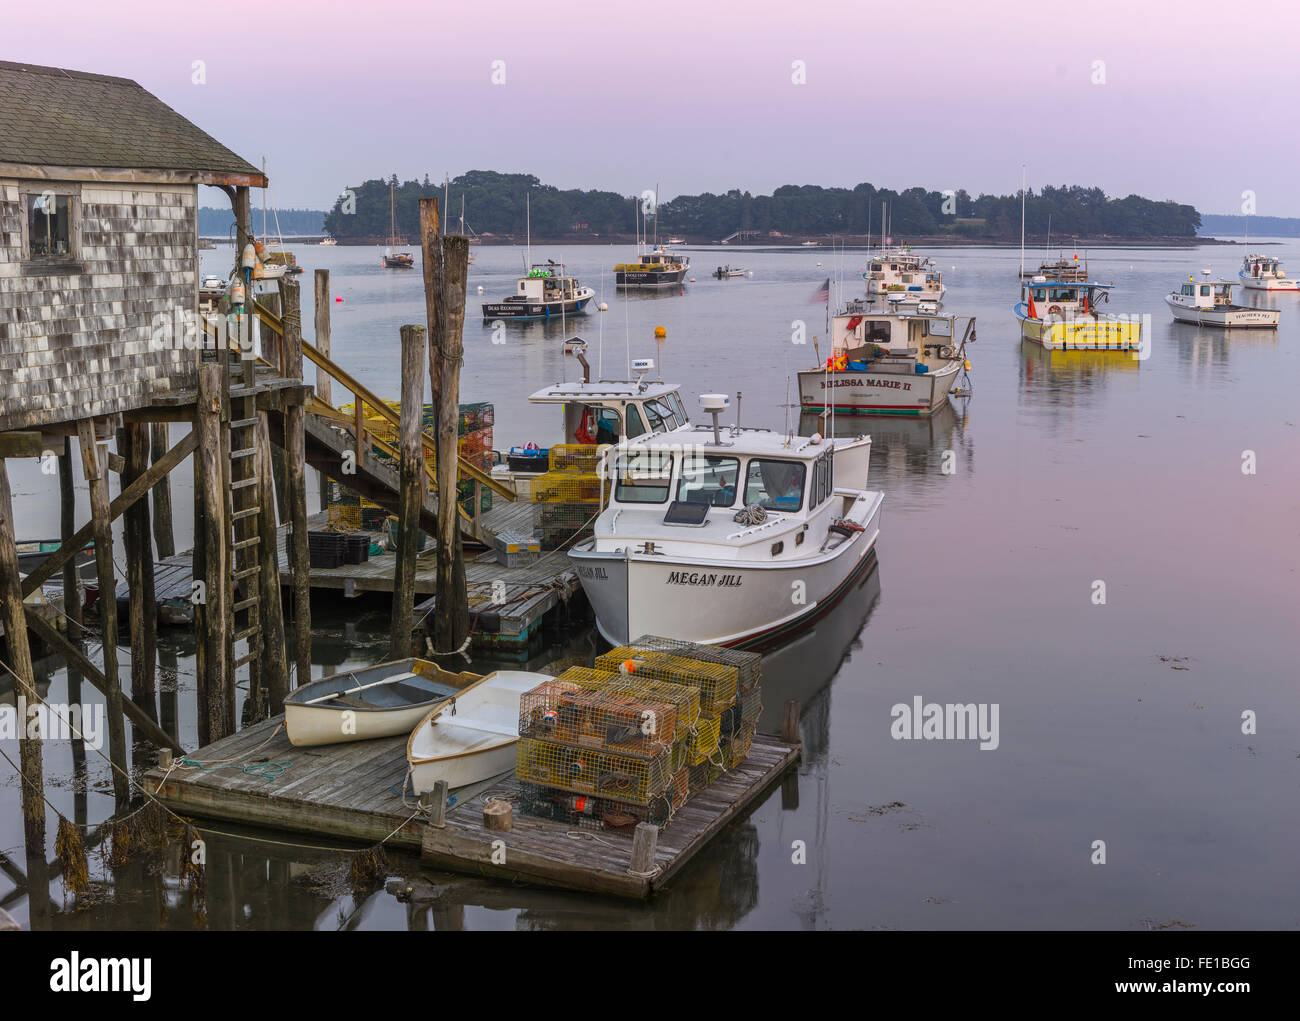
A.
pixel 1022 221
pixel 263 202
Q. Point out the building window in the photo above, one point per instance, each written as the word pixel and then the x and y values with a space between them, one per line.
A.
pixel 50 227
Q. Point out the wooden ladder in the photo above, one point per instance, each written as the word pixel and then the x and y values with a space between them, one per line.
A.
pixel 245 490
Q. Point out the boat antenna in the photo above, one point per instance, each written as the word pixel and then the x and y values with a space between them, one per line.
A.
pixel 600 343
pixel 1022 221
pixel 528 227
pixel 627 332
pixel 264 201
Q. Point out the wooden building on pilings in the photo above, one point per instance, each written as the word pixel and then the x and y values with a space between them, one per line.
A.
pixel 98 268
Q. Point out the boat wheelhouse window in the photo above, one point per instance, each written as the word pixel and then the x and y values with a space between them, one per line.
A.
pixel 775 485
pixel 659 417
pixel 675 399
pixel 643 476
pixel 635 427
pixel 708 479
pixel 1205 290
pixel 1064 294
pixel 876 267
pixel 938 328
pixel 1189 290
pixel 877 332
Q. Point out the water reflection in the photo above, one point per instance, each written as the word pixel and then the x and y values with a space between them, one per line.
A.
pixel 908 450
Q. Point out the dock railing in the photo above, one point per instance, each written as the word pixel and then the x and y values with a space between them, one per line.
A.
pixel 364 398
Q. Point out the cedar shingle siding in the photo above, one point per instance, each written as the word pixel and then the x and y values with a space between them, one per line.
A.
pixel 77 343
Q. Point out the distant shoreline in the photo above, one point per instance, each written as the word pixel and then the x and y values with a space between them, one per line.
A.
pixel 826 243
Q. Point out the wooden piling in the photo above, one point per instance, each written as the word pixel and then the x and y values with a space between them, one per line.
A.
pixel 273 661
pixel 438 803
pixel 67 529
pixel 790 722
pixel 446 262
pixel 322 338
pixel 412 492
pixel 133 443
pixel 296 488
pixel 215 678
pixel 20 661
pixel 164 536
pixel 645 841
pixel 101 518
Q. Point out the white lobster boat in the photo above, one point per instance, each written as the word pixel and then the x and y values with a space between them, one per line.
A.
pixel 1209 303
pixel 898 276
pixel 472 736
pixel 1265 273
pixel 378 701
pixel 738 537
pixel 887 362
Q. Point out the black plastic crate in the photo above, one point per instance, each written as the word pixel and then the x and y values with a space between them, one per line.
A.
pixel 356 548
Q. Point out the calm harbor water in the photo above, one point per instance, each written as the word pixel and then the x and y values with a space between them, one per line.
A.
pixel 1119 722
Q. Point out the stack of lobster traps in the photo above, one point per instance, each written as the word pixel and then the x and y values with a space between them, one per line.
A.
pixel 567 496
pixel 631 739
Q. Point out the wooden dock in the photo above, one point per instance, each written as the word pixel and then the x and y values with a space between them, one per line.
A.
pixel 347 792
pixel 506 604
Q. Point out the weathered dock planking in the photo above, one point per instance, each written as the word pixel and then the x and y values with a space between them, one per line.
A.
pixel 346 792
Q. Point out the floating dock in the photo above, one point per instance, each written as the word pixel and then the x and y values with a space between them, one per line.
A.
pixel 347 791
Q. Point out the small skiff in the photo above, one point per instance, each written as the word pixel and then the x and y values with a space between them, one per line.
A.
pixel 378 701
pixel 472 737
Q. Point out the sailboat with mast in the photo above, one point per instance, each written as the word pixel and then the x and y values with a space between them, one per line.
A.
pixel 394 259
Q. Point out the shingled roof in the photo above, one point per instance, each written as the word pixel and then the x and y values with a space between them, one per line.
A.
pixel 52 117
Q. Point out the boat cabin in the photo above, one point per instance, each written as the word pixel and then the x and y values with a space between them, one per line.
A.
pixel 1206 294
pixel 904 274
pixel 546 282
pixel 614 411
pixel 861 335
pixel 1261 267
pixel 656 261
pixel 1063 298
pixel 692 478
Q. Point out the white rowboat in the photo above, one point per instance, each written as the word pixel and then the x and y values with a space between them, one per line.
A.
pixel 472 737
pixel 379 701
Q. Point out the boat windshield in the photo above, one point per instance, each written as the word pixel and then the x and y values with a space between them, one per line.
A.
pixel 775 485
pixel 643 476
pixel 708 479
pixel 660 416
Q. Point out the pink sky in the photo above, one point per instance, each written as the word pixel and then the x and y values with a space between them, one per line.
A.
pixel 1200 101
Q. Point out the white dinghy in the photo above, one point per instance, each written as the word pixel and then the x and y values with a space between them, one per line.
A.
pixel 471 737
pixel 379 701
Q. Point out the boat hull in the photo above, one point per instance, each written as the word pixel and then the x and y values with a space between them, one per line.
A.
pixel 877 393
pixel 1268 283
pixel 1085 333
pixel 309 726
pixel 534 309
pixel 655 278
pixel 730 603
pixel 1236 317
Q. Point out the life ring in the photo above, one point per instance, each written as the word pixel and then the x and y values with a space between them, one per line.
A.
pixel 1055 310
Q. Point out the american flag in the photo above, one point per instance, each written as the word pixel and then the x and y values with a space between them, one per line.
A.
pixel 823 293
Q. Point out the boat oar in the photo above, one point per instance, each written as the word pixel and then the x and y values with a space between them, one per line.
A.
pixel 362 687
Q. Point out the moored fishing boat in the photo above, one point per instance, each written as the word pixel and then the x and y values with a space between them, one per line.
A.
pixel 394 259
pixel 899 275
pixel 731 537
pixel 379 701
pixel 1209 303
pixel 659 267
pixel 888 362
pixel 728 272
pixel 547 291
pixel 1265 273
pixel 1064 316
pixel 473 736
